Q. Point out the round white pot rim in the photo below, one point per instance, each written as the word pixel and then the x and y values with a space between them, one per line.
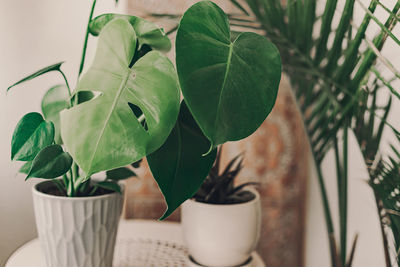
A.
pixel 49 196
pixel 192 201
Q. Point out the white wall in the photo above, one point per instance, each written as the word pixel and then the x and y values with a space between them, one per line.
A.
pixel 34 34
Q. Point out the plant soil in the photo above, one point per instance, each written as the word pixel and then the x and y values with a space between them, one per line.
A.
pixel 51 189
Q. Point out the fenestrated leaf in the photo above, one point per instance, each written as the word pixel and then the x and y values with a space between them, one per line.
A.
pixel 230 87
pixel 55 67
pixel 55 100
pixel 111 136
pixel 26 167
pixel 50 162
pixel 136 164
pixel 146 31
pixel 178 166
pixel 31 134
pixel 113 186
pixel 120 174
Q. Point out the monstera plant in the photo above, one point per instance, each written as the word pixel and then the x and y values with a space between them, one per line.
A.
pixel 126 106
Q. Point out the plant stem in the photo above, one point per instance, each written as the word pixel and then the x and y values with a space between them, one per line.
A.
pixel 66 82
pixel 343 192
pixel 86 40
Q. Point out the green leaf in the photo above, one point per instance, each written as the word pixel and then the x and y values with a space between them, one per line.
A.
pixel 54 101
pixel 178 166
pixel 111 135
pixel 50 162
pixel 146 31
pixel 31 134
pixel 25 169
pixel 55 67
pixel 113 186
pixel 120 174
pixel 230 87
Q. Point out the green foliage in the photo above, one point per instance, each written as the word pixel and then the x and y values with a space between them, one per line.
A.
pixel 50 162
pixel 219 187
pixel 216 74
pixel 178 166
pixel 31 134
pixel 126 106
pixel 105 142
pixel 54 101
pixel 147 33
pixel 328 80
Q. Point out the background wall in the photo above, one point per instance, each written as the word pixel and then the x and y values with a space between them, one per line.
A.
pixel 34 34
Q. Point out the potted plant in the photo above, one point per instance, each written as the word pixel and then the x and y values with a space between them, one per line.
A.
pixel 222 222
pixel 126 107
pixel 122 109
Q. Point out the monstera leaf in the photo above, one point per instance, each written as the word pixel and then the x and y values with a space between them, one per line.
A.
pixel 146 31
pixel 134 110
pixel 230 87
pixel 178 166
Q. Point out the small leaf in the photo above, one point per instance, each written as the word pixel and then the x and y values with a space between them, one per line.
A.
pixel 25 169
pixel 31 134
pixel 178 166
pixel 113 186
pixel 146 31
pixel 120 174
pixel 50 162
pixel 54 101
pixel 55 67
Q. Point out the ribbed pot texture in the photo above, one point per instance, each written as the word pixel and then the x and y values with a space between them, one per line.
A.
pixel 79 231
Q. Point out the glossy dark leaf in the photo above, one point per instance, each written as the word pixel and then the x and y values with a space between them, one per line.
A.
pixel 178 166
pixel 120 174
pixel 230 87
pixel 146 31
pixel 54 101
pixel 50 162
pixel 31 134
pixel 113 186
pixel 55 67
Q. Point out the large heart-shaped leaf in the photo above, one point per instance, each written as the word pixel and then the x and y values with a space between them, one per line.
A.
pixel 146 31
pixel 50 162
pixel 31 134
pixel 178 166
pixel 54 101
pixel 135 111
pixel 230 87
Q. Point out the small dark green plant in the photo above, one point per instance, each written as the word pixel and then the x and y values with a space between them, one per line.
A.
pixel 219 187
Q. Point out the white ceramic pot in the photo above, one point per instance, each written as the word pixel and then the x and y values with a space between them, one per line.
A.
pixel 79 231
pixel 221 235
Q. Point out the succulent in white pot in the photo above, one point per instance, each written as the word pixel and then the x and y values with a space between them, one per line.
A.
pixel 222 222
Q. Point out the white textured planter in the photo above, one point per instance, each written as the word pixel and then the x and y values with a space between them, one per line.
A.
pixel 79 231
pixel 221 235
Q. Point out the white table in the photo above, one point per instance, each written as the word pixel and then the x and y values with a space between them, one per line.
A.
pixel 140 243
